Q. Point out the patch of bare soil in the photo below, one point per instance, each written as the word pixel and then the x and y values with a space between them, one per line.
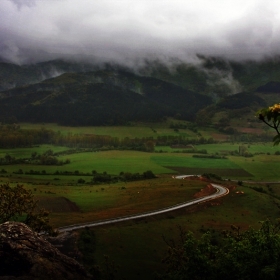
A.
pixel 218 136
pixel 231 187
pixel 209 189
pixel 198 178
pixel 250 130
pixel 57 204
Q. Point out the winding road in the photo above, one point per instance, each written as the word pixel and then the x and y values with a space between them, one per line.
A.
pixel 220 191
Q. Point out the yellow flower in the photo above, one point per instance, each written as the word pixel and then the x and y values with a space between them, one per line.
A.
pixel 275 108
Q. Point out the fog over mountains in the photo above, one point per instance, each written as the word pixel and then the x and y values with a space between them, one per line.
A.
pixel 145 37
pixel 213 76
pixel 129 32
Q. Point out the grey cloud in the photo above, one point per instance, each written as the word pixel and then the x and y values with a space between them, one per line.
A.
pixel 20 3
pixel 131 31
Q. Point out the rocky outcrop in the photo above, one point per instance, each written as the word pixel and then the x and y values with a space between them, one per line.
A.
pixel 66 243
pixel 26 255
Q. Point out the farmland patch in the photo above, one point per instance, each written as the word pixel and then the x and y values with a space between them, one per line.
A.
pixel 57 204
pixel 186 160
pixel 219 171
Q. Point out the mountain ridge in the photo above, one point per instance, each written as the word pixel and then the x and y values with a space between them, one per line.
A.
pixel 74 93
pixel 100 98
pixel 209 75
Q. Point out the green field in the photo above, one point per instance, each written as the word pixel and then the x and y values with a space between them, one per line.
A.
pixel 264 165
pixel 26 152
pixel 137 246
pixel 260 167
pixel 227 147
pixel 186 160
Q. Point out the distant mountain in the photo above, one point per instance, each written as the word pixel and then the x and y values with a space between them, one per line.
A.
pixel 216 76
pixel 100 98
pixel 12 75
pixel 76 93
pixel 238 110
pixel 211 76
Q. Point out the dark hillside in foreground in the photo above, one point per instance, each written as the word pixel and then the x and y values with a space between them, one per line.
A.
pixel 100 98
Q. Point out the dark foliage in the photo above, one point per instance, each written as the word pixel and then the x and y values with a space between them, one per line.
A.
pixel 211 176
pixel 17 202
pixel 252 254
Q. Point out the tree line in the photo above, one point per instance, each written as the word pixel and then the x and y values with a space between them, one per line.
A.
pixel 12 136
pixel 47 158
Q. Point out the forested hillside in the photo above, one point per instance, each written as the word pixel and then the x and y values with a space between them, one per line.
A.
pixel 73 93
pixel 100 98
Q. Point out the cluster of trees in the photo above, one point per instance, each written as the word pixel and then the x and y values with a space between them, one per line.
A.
pixel 250 137
pixel 202 151
pixel 97 178
pixel 47 158
pixel 18 202
pixel 251 254
pixel 123 176
pixel 173 140
pixel 140 144
pixel 210 156
pixel 43 172
pixel 211 176
pixel 14 138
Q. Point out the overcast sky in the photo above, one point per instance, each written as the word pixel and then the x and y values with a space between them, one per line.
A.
pixel 128 31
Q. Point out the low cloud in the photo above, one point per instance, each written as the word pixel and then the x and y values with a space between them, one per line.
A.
pixel 130 32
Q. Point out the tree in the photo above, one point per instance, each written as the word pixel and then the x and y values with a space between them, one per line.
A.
pixel 150 146
pixel 8 158
pixel 15 202
pixel 271 117
pixel 148 175
pixel 252 254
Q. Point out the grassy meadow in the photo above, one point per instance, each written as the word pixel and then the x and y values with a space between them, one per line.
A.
pixel 137 247
pixel 261 167
pixel 142 242
pixel 97 202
